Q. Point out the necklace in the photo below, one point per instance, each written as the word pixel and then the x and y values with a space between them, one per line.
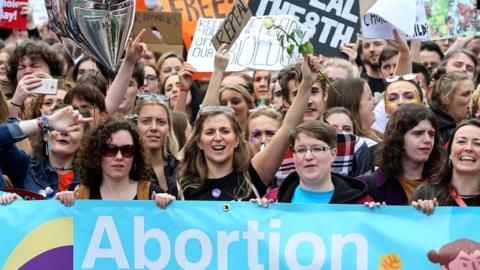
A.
pixel 63 168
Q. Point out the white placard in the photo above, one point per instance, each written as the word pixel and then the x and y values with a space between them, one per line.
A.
pixel 40 16
pixel 255 48
pixel 407 16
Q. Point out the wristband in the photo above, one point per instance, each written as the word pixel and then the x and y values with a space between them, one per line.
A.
pixel 43 124
pixel 184 89
pixel 14 104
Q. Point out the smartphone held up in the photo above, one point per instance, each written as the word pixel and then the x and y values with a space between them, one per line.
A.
pixel 48 87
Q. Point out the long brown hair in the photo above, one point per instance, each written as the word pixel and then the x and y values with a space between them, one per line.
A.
pixel 349 96
pixel 194 169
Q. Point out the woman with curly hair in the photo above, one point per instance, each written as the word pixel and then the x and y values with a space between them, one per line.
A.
pixel 410 154
pixel 30 57
pixel 112 165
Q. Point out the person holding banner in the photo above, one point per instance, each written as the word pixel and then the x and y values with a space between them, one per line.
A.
pixel 153 118
pixel 52 168
pixel 112 165
pixel 410 154
pixel 217 163
pixel 458 183
pixel 8 198
pixel 314 146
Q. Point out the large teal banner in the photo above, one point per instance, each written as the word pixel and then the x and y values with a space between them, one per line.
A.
pixel 211 235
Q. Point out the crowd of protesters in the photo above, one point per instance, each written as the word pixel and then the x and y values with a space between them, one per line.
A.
pixel 393 122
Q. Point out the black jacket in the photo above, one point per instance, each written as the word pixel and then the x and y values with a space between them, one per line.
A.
pixel 347 190
pixel 446 123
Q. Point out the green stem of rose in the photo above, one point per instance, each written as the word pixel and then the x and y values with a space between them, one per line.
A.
pixel 320 73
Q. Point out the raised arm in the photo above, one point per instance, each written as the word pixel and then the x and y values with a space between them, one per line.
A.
pixel 185 76
pixel 404 62
pixel 64 120
pixel 267 161
pixel 135 50
pixel 460 43
pixel 220 65
pixel 415 50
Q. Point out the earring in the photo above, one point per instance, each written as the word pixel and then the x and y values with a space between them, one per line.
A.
pixel 48 147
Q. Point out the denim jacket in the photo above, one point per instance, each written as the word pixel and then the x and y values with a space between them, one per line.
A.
pixel 31 173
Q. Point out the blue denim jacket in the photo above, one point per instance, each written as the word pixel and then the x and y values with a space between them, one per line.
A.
pixel 31 173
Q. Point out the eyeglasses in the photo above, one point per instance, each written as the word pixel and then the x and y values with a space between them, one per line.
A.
pixel 111 150
pixel 406 77
pixel 314 149
pixel 151 78
pixel 216 108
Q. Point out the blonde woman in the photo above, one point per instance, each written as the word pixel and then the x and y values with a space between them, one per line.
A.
pixel 154 122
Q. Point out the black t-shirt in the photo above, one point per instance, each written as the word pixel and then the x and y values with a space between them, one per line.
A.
pixel 226 188
pixel 472 201
pixel 376 84
pixel 96 195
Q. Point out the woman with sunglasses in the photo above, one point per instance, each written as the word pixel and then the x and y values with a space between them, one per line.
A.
pixel 217 163
pixel 410 154
pixel 154 122
pixel 450 101
pixel 458 181
pixel 112 165
pixel 51 168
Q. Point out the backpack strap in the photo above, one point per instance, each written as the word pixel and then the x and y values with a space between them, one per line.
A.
pixel 372 187
pixel 143 190
pixel 83 193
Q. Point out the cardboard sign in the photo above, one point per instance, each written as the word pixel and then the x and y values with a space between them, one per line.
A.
pixel 193 10
pixel 232 26
pixel 10 16
pixel 164 30
pixel 452 18
pixel 331 23
pixel 407 16
pixel 255 48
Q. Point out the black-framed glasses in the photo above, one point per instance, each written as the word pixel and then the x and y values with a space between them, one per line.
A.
pixel 314 149
pixel 111 150
pixel 216 108
pixel 406 77
pixel 150 96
